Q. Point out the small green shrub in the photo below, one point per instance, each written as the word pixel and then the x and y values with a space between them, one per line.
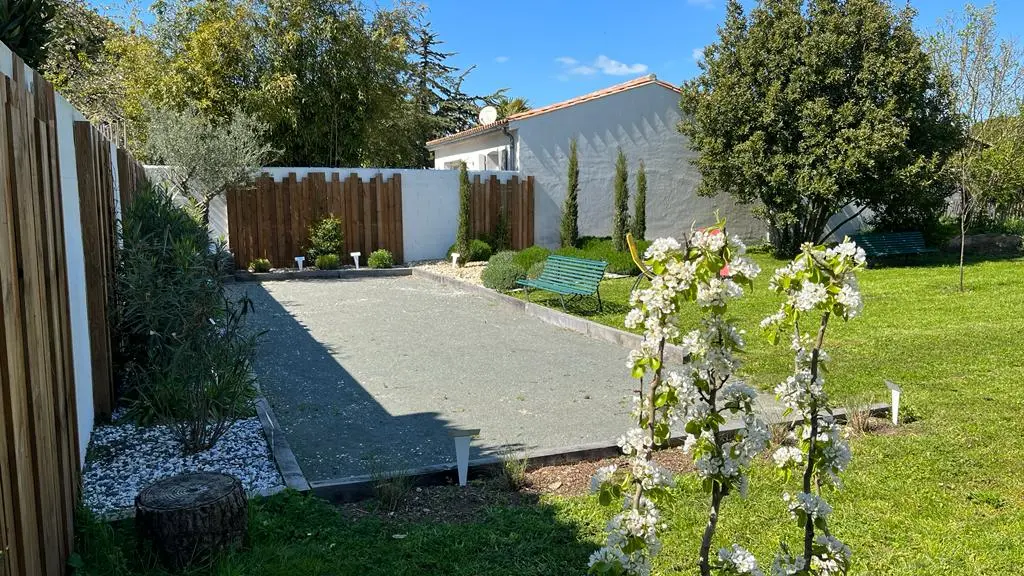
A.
pixel 536 270
pixel 479 251
pixel 514 465
pixel 502 272
pixel 325 237
pixel 328 262
pixel 380 259
pixel 259 265
pixel 527 257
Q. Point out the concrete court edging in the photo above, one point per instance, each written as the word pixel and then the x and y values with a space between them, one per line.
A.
pixel 356 488
pixel 344 274
pixel 284 458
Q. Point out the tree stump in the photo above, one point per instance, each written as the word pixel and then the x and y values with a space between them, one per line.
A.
pixel 189 517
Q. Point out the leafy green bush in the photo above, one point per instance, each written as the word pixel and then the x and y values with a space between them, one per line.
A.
pixel 380 259
pixel 328 262
pixel 259 265
pixel 479 251
pixel 502 272
pixel 325 237
pixel 527 257
pixel 536 270
pixel 593 248
pixel 182 356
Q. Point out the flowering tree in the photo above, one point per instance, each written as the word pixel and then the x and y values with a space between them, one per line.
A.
pixel 818 284
pixel 708 270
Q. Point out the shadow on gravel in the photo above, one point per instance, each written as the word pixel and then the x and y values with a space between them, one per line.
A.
pixel 335 427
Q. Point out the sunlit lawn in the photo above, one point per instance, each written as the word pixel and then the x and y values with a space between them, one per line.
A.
pixel 945 495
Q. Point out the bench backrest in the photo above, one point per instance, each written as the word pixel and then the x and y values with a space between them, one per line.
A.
pixel 890 242
pixel 577 272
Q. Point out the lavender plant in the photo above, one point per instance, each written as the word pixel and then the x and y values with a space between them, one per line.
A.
pixel 707 270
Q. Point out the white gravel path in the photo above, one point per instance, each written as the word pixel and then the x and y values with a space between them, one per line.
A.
pixel 124 458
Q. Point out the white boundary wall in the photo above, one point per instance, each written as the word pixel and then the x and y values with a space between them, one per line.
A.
pixel 430 204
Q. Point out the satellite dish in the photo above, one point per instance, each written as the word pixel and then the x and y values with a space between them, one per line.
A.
pixel 488 114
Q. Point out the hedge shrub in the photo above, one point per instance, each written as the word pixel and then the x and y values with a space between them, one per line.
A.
pixel 325 237
pixel 259 265
pixel 479 251
pixel 530 256
pixel 502 272
pixel 328 262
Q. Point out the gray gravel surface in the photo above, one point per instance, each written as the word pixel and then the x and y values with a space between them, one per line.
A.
pixel 371 374
pixel 124 458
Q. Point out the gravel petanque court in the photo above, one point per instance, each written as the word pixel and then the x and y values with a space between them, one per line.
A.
pixel 371 374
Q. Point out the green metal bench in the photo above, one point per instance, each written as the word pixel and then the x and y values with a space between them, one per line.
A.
pixel 568 276
pixel 892 244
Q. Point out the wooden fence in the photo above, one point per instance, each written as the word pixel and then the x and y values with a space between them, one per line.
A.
pixel 514 198
pixel 38 420
pixel 96 204
pixel 272 219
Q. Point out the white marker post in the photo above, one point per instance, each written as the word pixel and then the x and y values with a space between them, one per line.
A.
pixel 463 437
pixel 895 409
pixel 355 256
pixel 299 260
pixel 455 259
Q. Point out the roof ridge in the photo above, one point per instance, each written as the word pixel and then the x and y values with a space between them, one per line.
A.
pixel 608 91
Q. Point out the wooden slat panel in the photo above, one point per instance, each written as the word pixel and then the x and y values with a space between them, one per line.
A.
pixel 399 221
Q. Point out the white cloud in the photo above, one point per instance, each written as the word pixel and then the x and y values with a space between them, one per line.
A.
pixel 616 68
pixel 698 54
pixel 501 59
pixel 602 64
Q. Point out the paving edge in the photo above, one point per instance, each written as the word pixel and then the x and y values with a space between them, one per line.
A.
pixel 246 276
pixel 552 316
pixel 284 458
pixel 356 488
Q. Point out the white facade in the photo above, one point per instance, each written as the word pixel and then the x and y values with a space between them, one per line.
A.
pixel 642 122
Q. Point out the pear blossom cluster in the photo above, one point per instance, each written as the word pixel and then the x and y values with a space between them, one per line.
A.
pixel 708 269
pixel 820 283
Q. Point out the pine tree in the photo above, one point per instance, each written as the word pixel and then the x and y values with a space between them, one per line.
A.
pixel 571 209
pixel 463 234
pixel 620 222
pixel 640 204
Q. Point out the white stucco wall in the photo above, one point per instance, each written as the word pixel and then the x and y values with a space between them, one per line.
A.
pixel 642 121
pixel 473 151
pixel 81 354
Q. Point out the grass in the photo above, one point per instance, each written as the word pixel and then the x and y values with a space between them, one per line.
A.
pixel 942 496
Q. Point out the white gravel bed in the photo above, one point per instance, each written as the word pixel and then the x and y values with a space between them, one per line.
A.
pixel 469 273
pixel 124 458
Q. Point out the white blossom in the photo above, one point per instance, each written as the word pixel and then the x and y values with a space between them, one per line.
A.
pixel 788 456
pixel 634 442
pixel 601 476
pixel 787 565
pixel 660 248
pixel 810 295
pixel 738 561
pixel 811 504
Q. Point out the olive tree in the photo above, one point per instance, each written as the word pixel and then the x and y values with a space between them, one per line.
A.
pixel 205 158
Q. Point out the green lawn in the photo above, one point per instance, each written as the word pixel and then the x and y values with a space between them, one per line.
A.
pixel 945 495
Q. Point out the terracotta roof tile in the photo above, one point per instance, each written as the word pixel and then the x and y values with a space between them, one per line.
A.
pixel 635 83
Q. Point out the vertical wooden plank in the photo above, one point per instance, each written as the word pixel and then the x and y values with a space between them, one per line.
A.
pixel 516 193
pixel 281 222
pixel 529 212
pixel 21 538
pixel 399 221
pixel 368 218
pixel 295 209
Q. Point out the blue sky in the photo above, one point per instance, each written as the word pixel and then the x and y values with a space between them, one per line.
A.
pixel 552 50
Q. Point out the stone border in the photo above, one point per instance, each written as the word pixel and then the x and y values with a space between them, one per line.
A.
pixel 284 458
pixel 551 315
pixel 344 273
pixel 356 488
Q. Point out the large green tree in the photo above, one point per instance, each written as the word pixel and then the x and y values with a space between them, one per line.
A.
pixel 807 107
pixel 987 78
pixel 23 28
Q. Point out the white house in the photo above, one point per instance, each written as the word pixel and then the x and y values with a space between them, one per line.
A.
pixel 640 117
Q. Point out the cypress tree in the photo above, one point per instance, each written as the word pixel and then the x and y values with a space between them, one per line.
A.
pixel 463 233
pixel 620 220
pixel 640 204
pixel 571 210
